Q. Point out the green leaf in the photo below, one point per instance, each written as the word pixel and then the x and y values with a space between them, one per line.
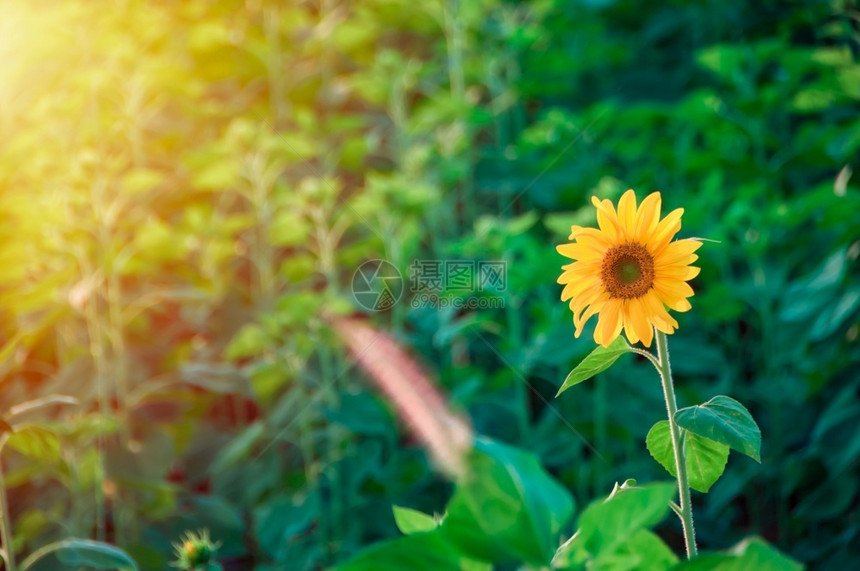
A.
pixel 77 552
pixel 722 59
pixel 506 508
pixel 248 342
pixel 833 315
pixel 141 180
pixel 36 442
pixel 411 521
pixel 605 526
pixel 361 413
pixel 725 420
pixel 239 449
pixel 753 554
pixel 596 362
pixel 642 551
pixel 216 175
pixel 277 521
pixel 705 458
pixel 428 551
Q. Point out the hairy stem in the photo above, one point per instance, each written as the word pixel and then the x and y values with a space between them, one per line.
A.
pixel 686 508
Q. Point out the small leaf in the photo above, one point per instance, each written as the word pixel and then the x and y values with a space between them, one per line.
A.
pixel 411 521
pixel 752 554
pixel 642 551
pixel 35 442
pixel 427 551
pixel 596 362
pixel 725 420
pixel 79 552
pixel 705 458
pixel 835 314
pixel 239 449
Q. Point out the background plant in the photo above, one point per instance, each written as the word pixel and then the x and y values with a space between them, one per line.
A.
pixel 507 511
pixel 185 188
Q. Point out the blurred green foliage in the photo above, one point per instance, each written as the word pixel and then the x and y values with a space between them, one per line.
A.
pixel 186 188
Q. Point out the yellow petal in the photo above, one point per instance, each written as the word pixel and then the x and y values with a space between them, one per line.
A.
pixel 575 288
pixel 674 293
pixel 658 314
pixel 609 325
pixel 639 317
pixel 578 251
pixel 665 231
pixel 627 213
pixel 680 273
pixel 606 218
pixel 580 321
pixel 587 296
pixel 579 233
pixel 678 251
pixel 629 331
pixel 649 334
pixel 647 217
pixel 680 263
pixel 583 269
pixel 692 271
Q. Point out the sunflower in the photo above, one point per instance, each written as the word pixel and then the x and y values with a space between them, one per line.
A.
pixel 629 271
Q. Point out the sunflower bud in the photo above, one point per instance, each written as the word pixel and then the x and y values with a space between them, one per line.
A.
pixel 196 552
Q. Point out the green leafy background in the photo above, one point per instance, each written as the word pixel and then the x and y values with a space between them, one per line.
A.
pixel 187 188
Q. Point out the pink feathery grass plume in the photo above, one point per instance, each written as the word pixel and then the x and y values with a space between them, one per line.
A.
pixel 447 436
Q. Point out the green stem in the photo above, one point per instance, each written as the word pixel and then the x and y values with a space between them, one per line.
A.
pixel 685 506
pixel 6 526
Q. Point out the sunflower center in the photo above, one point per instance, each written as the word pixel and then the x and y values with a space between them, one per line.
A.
pixel 627 271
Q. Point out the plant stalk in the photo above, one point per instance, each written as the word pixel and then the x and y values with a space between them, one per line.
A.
pixel 6 525
pixel 686 508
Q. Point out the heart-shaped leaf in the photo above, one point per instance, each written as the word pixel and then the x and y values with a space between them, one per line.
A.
pixel 705 458
pixel 596 362
pixel 411 521
pixel 725 420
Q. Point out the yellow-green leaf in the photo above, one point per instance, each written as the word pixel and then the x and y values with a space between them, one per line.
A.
pixel 597 361
pixel 705 458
